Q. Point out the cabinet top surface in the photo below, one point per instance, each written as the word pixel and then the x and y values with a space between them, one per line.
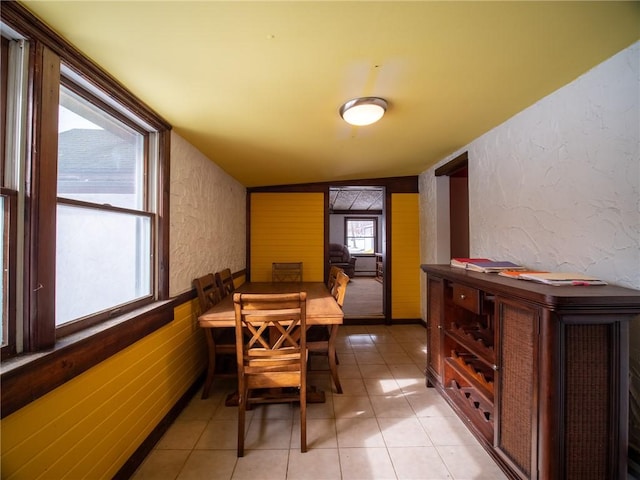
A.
pixel 610 296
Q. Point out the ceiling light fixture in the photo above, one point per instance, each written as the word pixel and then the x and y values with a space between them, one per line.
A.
pixel 363 111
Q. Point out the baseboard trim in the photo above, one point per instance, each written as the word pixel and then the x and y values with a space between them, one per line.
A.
pixel 131 465
pixel 380 320
pixel 364 320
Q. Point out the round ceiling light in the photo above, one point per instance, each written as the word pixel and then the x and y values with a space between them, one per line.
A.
pixel 363 111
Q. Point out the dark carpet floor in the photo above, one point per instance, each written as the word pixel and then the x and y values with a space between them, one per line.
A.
pixel 363 297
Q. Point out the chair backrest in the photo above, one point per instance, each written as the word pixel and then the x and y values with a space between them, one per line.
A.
pixel 270 337
pixel 340 288
pixel 224 279
pixel 208 292
pixel 286 272
pixel 333 274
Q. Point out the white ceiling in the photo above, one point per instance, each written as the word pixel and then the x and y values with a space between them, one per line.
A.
pixel 256 86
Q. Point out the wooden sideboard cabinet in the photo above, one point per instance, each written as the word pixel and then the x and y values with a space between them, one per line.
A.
pixel 538 373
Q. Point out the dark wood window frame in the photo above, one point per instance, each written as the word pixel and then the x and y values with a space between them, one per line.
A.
pixel 48 362
pixel 10 208
pixel 88 97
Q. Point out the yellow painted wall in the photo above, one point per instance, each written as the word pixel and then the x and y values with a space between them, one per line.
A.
pixel 91 425
pixel 287 227
pixel 405 251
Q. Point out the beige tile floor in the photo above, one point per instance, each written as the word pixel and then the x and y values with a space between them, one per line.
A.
pixel 386 425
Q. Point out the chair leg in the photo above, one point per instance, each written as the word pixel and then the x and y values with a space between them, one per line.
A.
pixel 211 363
pixel 332 357
pixel 242 405
pixel 303 417
pixel 329 329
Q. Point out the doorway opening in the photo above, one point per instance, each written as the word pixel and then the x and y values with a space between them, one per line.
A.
pixel 458 173
pixel 356 224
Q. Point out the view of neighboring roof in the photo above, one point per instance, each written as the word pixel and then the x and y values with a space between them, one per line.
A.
pixel 95 161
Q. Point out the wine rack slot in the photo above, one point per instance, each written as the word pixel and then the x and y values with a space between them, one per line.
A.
pixel 474 338
pixel 479 375
pixel 475 407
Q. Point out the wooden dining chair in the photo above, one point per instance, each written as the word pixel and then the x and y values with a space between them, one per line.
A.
pixel 224 280
pixel 321 339
pixel 220 341
pixel 340 289
pixel 277 360
pixel 333 274
pixel 286 272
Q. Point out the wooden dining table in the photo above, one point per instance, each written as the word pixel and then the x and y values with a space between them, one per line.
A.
pixel 321 309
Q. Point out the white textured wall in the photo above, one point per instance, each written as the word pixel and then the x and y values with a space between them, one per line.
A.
pixel 208 217
pixel 557 186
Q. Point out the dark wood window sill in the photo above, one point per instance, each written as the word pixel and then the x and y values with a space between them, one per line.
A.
pixel 28 377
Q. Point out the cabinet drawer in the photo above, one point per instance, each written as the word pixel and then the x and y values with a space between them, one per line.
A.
pixel 468 298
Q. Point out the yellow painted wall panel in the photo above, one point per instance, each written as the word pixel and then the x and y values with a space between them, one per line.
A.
pixel 405 251
pixel 287 227
pixel 91 425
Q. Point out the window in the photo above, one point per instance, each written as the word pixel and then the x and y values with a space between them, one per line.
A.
pixel 105 207
pixel 104 223
pixel 361 234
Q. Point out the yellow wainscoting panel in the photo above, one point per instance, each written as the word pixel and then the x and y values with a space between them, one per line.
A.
pixel 287 227
pixel 405 250
pixel 91 425
pixel 239 280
